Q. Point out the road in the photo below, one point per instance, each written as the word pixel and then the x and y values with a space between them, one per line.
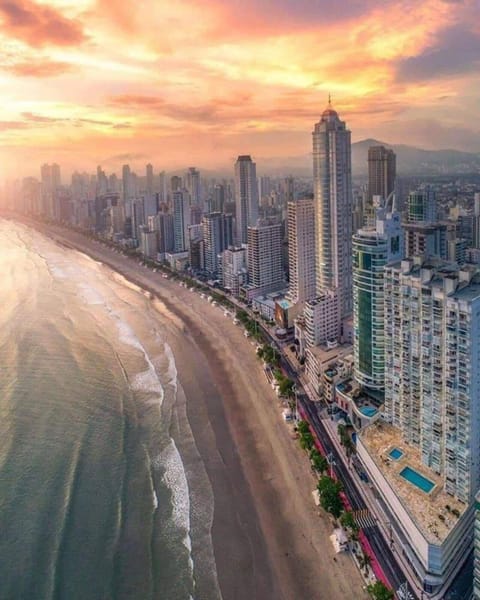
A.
pixel 382 550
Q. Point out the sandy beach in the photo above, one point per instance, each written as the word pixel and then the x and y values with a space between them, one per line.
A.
pixel 270 541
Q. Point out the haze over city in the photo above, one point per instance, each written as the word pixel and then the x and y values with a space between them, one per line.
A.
pixel 105 82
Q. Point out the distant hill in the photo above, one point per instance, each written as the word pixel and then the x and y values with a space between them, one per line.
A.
pixel 410 161
pixel 415 161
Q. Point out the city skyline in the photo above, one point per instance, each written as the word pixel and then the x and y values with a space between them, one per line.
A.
pixel 96 82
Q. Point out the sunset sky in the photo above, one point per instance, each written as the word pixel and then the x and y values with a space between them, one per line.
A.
pixel 197 82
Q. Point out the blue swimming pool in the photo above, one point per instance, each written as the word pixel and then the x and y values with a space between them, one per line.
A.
pixel 395 453
pixel 368 411
pixel 418 480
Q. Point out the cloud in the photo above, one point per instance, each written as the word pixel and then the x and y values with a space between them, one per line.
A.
pixel 39 25
pixel 455 51
pixel 7 125
pixel 38 68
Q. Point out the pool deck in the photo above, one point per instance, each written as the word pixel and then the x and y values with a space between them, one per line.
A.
pixel 424 508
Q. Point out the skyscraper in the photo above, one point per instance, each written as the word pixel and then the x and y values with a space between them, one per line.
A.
pixel 382 171
pixel 217 236
pixel 193 186
pixel 301 249
pixel 373 248
pixel 432 366
pixel 246 197
pixel 332 183
pixel 265 271
pixel 181 222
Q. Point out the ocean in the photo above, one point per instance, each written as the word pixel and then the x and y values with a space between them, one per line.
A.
pixel 97 497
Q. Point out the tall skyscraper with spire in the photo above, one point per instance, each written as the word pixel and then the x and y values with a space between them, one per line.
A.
pixel 332 183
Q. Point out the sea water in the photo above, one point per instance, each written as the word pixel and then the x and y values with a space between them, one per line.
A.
pixel 95 501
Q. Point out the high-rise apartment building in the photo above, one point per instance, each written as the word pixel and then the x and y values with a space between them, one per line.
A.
pixel 181 222
pixel 422 206
pixel 234 269
pixel 217 236
pixel 218 198
pixel 265 273
pixel 301 250
pixel 332 183
pixel 246 197
pixel 422 456
pixel 193 186
pixel 423 233
pixel 432 367
pixel 381 172
pixel 373 248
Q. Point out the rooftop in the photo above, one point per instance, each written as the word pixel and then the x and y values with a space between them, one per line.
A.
pixel 428 510
pixel 328 356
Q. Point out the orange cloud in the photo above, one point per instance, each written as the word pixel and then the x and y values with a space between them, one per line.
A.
pixel 39 24
pixel 208 79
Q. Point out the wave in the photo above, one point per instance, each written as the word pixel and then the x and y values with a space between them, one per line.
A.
pixel 176 480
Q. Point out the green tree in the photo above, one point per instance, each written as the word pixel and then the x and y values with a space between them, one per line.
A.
pixel 303 427
pixel 286 387
pixel 306 441
pixel 329 491
pixel 380 591
pixel 319 462
pixel 347 520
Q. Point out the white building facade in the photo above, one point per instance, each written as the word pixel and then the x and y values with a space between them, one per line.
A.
pixel 301 250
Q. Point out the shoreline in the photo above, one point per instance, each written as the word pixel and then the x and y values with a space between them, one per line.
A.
pixel 268 538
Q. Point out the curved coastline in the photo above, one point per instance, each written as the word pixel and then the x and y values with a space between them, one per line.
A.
pixel 268 539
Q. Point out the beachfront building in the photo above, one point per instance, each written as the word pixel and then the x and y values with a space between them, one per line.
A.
pixel 432 320
pixel 234 273
pixel 332 185
pixel 321 319
pixel 217 236
pixel 301 250
pixel 265 272
pixel 423 457
pixel 373 248
pixel 148 242
pixel 246 197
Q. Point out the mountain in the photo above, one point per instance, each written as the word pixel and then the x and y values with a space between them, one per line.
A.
pixel 410 161
pixel 415 161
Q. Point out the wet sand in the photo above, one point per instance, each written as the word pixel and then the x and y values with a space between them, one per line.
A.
pixel 269 539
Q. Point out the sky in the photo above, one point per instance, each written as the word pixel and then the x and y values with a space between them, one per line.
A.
pixel 198 82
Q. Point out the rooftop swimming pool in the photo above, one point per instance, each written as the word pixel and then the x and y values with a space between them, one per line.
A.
pixel 417 479
pixel 395 453
pixel 368 411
